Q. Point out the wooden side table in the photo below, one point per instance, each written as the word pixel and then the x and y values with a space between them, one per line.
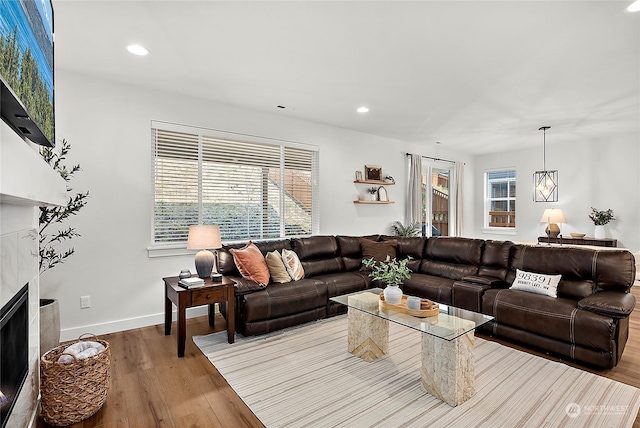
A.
pixel 183 298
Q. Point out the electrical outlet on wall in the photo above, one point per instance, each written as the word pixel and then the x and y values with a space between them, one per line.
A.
pixel 85 302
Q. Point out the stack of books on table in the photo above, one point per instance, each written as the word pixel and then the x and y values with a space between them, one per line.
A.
pixel 191 282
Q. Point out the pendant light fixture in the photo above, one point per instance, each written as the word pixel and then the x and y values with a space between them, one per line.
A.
pixel 545 183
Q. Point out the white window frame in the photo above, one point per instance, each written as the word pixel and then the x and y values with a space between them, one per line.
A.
pixel 487 201
pixel 157 249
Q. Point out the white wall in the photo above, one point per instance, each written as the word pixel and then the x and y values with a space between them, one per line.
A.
pixel 598 173
pixel 108 127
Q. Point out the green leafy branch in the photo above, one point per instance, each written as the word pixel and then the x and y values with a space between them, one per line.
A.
pixel 600 218
pixel 50 215
pixel 390 271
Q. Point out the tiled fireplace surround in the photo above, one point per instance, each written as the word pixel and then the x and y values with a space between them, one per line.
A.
pixel 26 182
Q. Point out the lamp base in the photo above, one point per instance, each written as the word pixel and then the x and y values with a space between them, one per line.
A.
pixel 204 263
pixel 552 230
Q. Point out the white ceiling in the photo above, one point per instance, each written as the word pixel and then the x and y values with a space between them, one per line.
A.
pixel 478 76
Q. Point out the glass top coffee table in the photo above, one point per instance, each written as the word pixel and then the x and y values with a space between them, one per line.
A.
pixel 447 370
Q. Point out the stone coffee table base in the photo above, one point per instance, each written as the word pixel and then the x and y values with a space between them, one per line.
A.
pixel 447 369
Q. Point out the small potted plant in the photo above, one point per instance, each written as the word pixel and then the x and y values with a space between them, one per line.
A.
pixel 373 193
pixel 600 218
pixel 411 229
pixel 390 272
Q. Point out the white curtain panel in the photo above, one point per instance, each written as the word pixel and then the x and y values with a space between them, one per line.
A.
pixel 413 211
pixel 458 181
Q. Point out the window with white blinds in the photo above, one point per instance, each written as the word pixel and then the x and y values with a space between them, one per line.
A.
pixel 252 190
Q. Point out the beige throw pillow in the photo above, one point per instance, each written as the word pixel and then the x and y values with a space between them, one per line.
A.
pixel 536 283
pixel 293 265
pixel 277 268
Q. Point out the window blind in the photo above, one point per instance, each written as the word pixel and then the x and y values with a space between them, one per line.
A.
pixel 250 189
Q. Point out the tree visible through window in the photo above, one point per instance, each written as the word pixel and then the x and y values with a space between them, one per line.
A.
pixel 251 190
pixel 500 198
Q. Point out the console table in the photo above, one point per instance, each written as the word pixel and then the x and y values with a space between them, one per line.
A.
pixel 606 242
pixel 208 294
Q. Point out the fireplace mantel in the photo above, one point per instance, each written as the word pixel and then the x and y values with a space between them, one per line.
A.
pixel 26 179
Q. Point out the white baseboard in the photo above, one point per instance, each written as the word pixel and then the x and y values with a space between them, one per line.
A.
pixel 126 324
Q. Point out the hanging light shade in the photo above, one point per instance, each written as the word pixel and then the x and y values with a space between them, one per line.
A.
pixel 545 183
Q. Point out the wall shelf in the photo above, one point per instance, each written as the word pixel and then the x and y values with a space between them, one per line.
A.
pixel 382 183
pixel 373 202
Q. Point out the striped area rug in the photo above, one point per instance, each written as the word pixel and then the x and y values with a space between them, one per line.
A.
pixel 304 377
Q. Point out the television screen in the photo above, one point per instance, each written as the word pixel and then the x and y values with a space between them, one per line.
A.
pixel 26 68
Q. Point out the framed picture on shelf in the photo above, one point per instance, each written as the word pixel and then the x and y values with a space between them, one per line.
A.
pixel 358 175
pixel 372 172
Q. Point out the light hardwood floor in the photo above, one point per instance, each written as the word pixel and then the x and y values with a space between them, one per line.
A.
pixel 151 387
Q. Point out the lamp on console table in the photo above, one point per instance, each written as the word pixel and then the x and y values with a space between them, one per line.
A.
pixel 553 216
pixel 204 237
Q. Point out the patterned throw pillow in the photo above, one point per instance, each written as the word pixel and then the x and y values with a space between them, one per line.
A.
pixel 293 265
pixel 536 283
pixel 251 264
pixel 277 268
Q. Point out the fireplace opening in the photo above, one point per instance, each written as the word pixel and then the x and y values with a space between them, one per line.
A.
pixel 14 351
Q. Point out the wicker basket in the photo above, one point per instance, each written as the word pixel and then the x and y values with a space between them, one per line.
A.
pixel 73 391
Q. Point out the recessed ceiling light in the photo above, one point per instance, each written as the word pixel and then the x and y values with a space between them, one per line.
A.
pixel 362 109
pixel 634 7
pixel 137 50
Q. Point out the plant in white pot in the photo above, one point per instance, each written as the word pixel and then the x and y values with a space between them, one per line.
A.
pixel 600 218
pixel 52 217
pixel 390 272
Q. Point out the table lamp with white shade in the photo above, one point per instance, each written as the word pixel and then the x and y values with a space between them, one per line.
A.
pixel 553 216
pixel 204 237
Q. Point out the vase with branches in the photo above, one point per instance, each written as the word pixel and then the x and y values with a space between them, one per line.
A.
pixel 50 216
pixel 600 218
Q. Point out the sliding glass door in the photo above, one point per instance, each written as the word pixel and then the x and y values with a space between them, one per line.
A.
pixel 436 184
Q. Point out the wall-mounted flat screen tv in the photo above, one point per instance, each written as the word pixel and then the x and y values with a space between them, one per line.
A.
pixel 26 68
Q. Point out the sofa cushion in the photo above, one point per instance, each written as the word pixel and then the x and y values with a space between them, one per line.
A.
pixel 378 250
pixel 276 266
pixel 609 303
pixel 345 282
pixel 292 263
pixel 250 263
pixel 324 266
pixel 615 270
pixel 429 287
pixel 454 250
pixel 538 283
pixel 315 247
pixel 447 270
pixel 571 263
pixel 496 256
pixel 408 246
pixel 279 300
pixel 557 318
pixel 349 246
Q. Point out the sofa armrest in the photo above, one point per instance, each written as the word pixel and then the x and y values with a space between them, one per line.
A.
pixel 485 280
pixel 613 304
pixel 245 286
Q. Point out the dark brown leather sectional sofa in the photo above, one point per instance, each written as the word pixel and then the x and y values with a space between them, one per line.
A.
pixel 587 322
